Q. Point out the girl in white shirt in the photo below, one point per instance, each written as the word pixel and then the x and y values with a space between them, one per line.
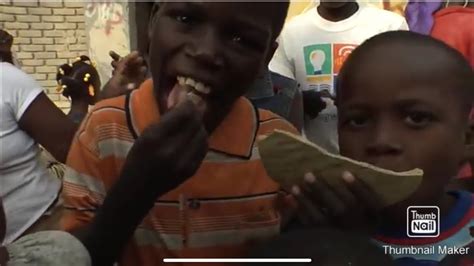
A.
pixel 27 118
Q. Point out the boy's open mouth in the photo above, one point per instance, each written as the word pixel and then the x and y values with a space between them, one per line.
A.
pixel 187 88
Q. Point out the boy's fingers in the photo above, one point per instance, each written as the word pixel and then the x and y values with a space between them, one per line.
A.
pixel 114 64
pixel 115 56
pixel 138 60
pixel 133 70
pixel 315 216
pixel 131 57
pixel 345 194
pixel 342 192
pixel 181 121
pixel 134 61
pixel 194 152
pixel 134 54
pixel 127 61
pixel 365 194
pixel 303 218
pixel 318 190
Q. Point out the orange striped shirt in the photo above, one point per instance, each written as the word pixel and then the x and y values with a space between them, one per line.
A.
pixel 229 202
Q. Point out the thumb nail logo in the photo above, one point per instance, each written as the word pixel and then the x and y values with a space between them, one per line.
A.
pixel 423 221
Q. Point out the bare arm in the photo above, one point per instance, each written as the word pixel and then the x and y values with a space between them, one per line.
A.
pixel 48 126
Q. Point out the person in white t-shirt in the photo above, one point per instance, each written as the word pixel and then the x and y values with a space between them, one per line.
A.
pixel 27 117
pixel 312 49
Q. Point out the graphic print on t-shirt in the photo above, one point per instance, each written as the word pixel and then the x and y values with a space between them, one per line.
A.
pixel 323 63
pixel 318 59
pixel 341 52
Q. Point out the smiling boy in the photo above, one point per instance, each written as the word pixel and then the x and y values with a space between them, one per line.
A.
pixel 210 52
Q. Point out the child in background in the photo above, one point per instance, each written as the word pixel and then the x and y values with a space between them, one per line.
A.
pixel 451 22
pixel 419 15
pixel 204 55
pixel 79 82
pixel 312 49
pixel 408 114
pixel 28 118
pixel 454 24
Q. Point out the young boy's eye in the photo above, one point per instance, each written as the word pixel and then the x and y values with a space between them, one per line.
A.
pixel 237 38
pixel 245 41
pixel 419 119
pixel 357 121
pixel 184 19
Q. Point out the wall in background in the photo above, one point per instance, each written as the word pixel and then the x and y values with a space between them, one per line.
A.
pixel 107 28
pixel 46 35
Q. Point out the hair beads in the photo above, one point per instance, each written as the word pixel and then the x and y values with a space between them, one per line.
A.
pixel 79 79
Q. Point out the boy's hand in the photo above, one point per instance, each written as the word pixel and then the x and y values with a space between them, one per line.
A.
pixel 131 68
pixel 313 103
pixel 353 205
pixel 170 151
pixel 164 156
pixel 128 73
pixel 115 59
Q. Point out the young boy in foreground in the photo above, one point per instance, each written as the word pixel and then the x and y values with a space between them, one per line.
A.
pixel 403 102
pixel 210 53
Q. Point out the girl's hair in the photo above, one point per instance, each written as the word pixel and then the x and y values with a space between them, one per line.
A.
pixel 79 79
pixel 6 42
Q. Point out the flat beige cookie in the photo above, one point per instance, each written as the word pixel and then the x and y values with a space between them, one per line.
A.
pixel 287 157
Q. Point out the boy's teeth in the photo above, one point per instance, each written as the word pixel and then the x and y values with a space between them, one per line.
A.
pixel 190 82
pixel 202 88
pixel 199 86
pixel 181 81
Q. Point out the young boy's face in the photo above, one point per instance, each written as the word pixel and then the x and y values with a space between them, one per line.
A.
pixel 400 117
pixel 224 46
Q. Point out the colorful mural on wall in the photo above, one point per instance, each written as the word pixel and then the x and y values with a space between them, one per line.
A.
pixel 107 27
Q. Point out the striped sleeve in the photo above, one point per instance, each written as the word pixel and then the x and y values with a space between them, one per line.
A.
pixel 269 121
pixel 83 189
pixel 91 170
